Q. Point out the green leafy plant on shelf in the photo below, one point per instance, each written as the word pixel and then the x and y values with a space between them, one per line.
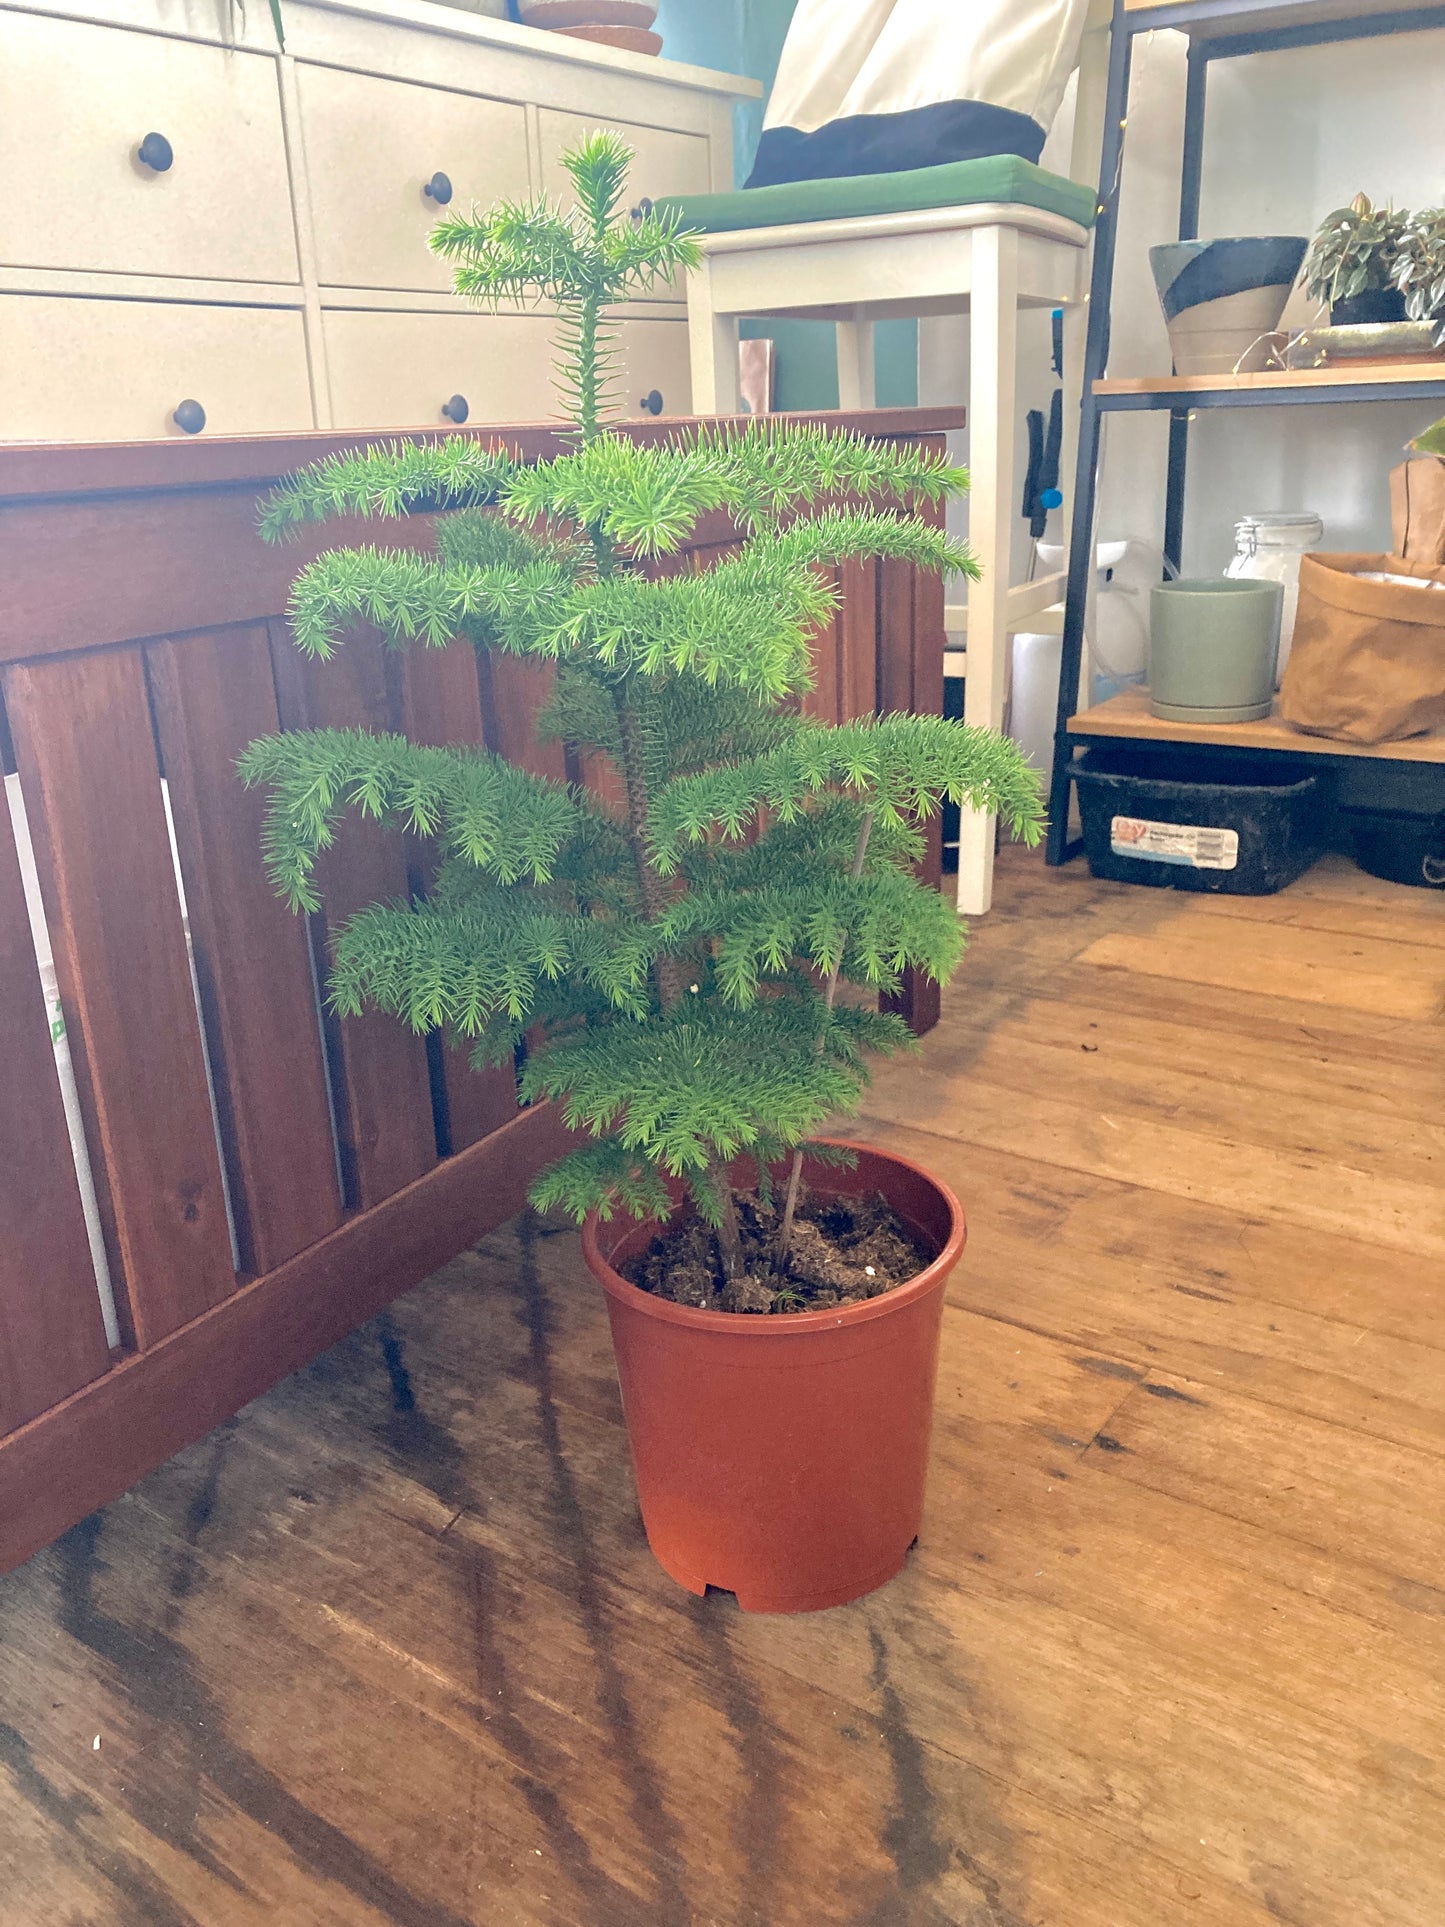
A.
pixel 1420 269
pixel 669 971
pixel 1355 251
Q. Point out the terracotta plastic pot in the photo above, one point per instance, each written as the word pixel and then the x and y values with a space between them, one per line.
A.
pixel 783 1458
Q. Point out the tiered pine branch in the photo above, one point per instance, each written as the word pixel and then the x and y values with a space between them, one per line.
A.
pixel 673 968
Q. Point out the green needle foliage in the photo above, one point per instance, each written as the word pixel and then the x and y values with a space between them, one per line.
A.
pixel 668 972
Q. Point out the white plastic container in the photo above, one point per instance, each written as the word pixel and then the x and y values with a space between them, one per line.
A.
pixel 1034 697
pixel 1118 643
pixel 1268 548
pixel 1116 621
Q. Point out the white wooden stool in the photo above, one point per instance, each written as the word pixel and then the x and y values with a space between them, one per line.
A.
pixel 988 260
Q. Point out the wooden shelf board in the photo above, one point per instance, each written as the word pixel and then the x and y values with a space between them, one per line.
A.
pixel 1128 715
pixel 1246 18
pixel 1372 374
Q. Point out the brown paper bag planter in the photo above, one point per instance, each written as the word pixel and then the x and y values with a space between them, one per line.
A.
pixel 1368 662
pixel 1417 509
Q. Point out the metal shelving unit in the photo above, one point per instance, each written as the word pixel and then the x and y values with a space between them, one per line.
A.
pixel 1217 30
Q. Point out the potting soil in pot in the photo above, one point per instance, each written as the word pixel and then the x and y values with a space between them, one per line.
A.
pixel 843 1250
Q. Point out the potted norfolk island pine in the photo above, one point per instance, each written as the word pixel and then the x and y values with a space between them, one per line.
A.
pixel 692 975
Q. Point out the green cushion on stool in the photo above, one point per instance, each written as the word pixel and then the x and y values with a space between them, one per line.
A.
pixel 999 177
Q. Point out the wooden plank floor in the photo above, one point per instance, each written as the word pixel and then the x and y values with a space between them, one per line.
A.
pixel 390 1647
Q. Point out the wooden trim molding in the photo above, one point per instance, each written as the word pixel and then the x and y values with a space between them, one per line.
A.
pixel 28 470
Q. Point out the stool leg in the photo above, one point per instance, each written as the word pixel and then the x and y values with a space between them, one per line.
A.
pixel 993 345
pixel 855 364
pixel 713 345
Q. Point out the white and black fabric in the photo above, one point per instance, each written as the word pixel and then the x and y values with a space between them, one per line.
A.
pixel 878 86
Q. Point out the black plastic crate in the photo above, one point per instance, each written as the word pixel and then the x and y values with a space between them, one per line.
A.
pixel 1209 824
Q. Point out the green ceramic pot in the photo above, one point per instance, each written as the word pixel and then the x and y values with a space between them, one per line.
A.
pixel 1212 649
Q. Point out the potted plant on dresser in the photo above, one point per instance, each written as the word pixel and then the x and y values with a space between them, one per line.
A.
pixel 615 23
pixel 671 967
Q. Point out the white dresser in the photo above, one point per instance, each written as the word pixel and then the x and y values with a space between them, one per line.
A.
pixel 194 224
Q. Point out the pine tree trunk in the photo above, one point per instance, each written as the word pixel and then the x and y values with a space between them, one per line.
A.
pixel 667 971
pixel 795 1170
pixel 729 1235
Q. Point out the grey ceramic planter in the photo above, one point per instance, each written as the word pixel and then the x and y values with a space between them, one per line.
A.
pixel 1221 297
pixel 1212 649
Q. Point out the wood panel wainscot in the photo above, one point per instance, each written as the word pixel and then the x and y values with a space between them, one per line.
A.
pixel 264 1178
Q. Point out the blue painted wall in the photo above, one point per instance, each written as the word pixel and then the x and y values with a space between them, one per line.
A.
pixel 709 33
pixel 746 37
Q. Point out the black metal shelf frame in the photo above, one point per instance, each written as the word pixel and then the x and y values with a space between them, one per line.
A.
pixel 1204 49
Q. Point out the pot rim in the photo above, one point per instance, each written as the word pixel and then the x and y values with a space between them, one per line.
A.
pixel 795 1323
pixel 1196 245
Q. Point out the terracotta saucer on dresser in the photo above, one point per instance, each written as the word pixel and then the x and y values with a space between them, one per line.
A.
pixel 636 40
pixel 567 16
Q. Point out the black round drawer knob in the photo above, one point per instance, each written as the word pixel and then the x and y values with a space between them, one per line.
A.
pixel 156 153
pixel 651 402
pixel 456 410
pixel 438 189
pixel 642 210
pixel 190 416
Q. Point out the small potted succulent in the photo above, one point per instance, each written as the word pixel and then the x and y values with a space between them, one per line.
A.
pixel 1420 270
pixel 1353 262
pixel 667 966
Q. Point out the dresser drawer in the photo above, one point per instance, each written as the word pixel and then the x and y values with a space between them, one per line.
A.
pixel 665 163
pixel 76 102
pixel 654 364
pixel 373 145
pixel 81 370
pixel 399 370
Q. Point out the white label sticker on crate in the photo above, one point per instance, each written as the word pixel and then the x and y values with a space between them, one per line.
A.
pixel 1198 847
